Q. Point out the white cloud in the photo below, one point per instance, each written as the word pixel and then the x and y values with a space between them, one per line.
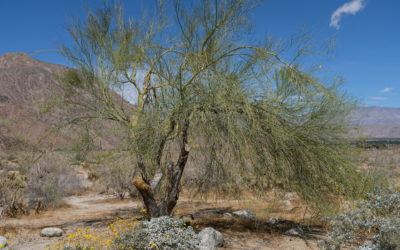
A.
pixel 385 90
pixel 378 98
pixel 352 7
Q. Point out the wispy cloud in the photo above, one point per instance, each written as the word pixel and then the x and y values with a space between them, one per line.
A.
pixel 352 7
pixel 378 98
pixel 386 90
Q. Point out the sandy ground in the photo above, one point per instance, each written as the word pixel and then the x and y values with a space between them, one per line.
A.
pixel 80 208
pixel 97 210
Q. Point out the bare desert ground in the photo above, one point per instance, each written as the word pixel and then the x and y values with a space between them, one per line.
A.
pixel 99 211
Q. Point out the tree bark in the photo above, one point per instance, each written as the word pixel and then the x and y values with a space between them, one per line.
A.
pixel 174 175
pixel 147 196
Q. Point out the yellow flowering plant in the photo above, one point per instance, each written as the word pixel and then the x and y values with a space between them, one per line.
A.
pixel 86 239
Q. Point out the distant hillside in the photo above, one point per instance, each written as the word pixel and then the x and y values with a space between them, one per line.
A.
pixel 27 86
pixel 377 122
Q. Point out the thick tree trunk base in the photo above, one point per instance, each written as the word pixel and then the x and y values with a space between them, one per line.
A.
pixel 147 196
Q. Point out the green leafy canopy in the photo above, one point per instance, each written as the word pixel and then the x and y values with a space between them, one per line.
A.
pixel 246 116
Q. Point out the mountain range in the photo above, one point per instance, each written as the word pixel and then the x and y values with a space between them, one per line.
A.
pixel 377 122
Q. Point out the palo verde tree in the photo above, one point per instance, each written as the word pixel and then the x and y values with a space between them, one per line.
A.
pixel 203 91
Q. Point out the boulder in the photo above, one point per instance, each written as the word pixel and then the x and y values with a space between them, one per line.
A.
pixel 210 239
pixel 245 214
pixel 51 232
pixel 3 243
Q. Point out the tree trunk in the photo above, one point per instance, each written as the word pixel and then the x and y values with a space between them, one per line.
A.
pixel 174 175
pixel 147 196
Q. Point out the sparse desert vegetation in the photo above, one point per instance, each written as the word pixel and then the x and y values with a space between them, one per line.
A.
pixel 224 143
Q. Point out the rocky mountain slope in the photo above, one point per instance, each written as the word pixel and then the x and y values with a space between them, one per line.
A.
pixel 27 88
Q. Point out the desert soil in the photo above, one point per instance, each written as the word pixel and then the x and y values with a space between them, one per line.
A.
pixel 97 211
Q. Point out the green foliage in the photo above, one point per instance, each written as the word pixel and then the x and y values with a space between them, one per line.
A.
pixel 240 111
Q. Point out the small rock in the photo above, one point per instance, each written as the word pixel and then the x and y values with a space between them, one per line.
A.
pixel 294 232
pixel 210 239
pixel 245 213
pixel 187 218
pixel 291 196
pixel 273 220
pixel 51 232
pixel 285 203
pixel 3 243
pixel 227 215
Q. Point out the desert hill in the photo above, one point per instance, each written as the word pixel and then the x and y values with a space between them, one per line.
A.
pixel 27 88
pixel 377 122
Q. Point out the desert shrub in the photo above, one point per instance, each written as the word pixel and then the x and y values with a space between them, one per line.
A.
pixel 373 224
pixel 49 181
pixel 159 233
pixel 12 202
pixel 118 175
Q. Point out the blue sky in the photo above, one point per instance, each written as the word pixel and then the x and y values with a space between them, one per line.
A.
pixel 367 35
